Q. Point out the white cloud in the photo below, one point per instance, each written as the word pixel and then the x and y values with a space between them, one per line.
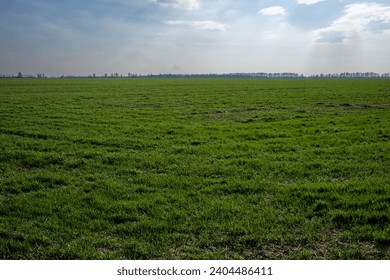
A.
pixel 209 25
pixel 179 4
pixel 273 11
pixel 358 18
pixel 206 25
pixel 309 2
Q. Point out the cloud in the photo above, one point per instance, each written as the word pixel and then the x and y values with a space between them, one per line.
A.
pixel 358 18
pixel 179 4
pixel 209 25
pixel 309 2
pixel 206 25
pixel 273 11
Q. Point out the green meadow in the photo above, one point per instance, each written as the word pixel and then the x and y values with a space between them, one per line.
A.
pixel 194 168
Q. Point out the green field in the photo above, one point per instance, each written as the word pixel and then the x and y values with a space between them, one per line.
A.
pixel 194 169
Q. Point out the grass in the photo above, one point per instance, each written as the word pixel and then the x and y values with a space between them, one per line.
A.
pixel 194 169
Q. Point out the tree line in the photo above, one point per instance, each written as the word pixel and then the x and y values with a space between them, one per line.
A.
pixel 214 75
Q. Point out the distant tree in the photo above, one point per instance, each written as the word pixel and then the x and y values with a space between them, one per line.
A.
pixel 20 75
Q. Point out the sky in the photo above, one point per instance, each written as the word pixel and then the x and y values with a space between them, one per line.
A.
pixel 82 37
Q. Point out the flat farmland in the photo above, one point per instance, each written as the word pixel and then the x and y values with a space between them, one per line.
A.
pixel 194 168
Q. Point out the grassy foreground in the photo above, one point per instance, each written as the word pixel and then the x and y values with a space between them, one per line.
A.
pixel 194 169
